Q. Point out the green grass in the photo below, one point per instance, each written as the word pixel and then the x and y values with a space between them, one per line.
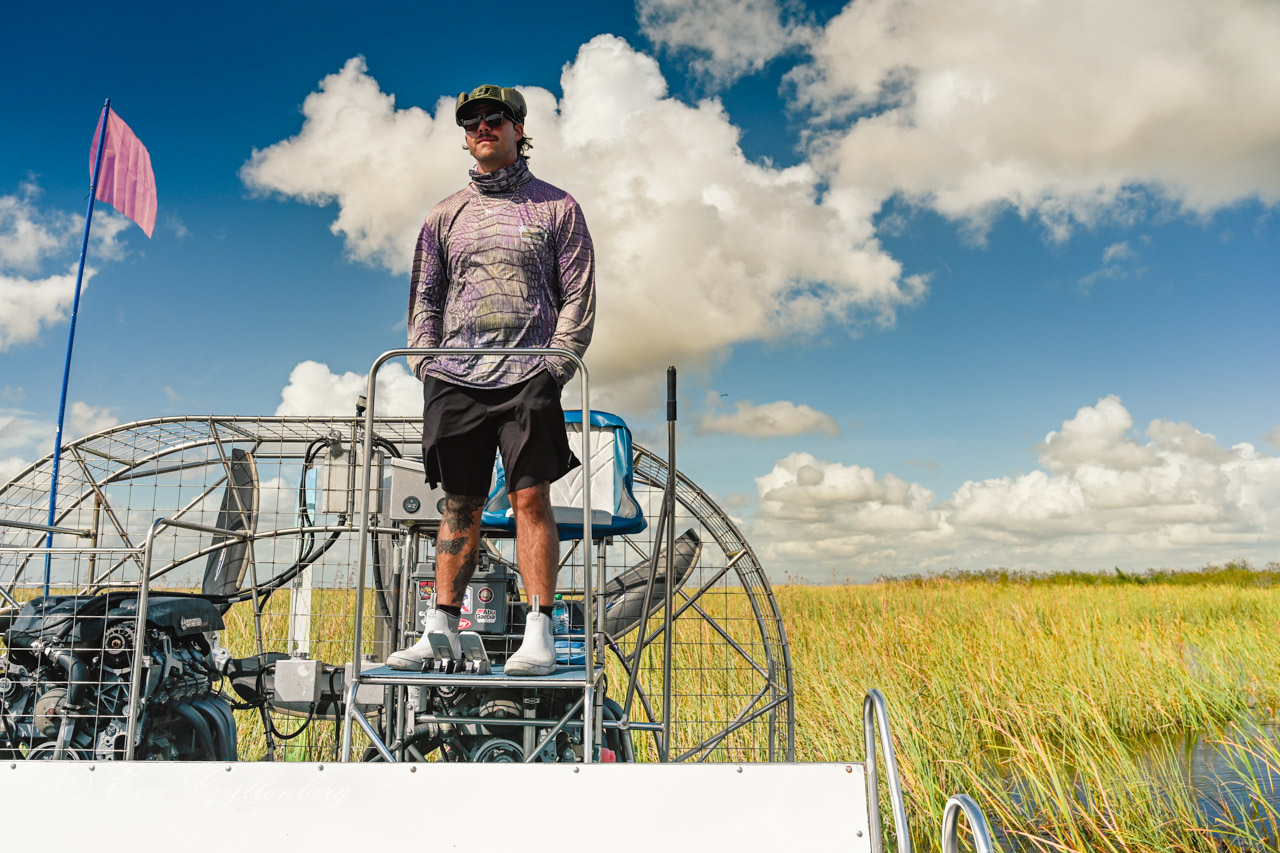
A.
pixel 1031 694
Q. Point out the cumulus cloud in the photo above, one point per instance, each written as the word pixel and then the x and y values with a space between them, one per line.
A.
pixel 729 38
pixel 770 420
pixel 1058 111
pixel 30 239
pixel 10 467
pixel 314 389
pixel 1103 495
pixel 697 248
pixel 24 438
pixel 84 419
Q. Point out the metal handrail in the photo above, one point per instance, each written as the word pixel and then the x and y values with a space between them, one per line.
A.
pixel 874 709
pixel 363 486
pixel 978 825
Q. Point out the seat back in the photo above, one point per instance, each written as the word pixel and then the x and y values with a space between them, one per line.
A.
pixel 614 510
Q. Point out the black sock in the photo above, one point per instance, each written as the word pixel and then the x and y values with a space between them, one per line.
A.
pixel 546 609
pixel 451 609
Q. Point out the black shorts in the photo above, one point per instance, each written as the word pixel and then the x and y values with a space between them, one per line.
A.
pixel 464 428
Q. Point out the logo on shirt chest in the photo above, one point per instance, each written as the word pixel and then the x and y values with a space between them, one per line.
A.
pixel 533 235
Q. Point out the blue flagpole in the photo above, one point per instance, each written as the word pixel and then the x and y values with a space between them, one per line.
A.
pixel 71 338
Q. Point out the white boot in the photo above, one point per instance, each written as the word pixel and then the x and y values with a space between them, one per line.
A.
pixel 413 658
pixel 537 654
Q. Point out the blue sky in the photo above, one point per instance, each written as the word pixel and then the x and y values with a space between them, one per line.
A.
pixel 947 287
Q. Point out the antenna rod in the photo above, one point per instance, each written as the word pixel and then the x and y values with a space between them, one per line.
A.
pixel 71 339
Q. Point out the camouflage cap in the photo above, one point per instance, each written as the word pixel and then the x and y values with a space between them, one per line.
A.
pixel 511 101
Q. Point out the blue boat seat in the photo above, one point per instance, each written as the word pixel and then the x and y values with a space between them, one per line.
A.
pixel 614 508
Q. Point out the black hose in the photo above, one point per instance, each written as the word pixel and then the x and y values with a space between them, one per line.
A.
pixel 379 441
pixel 77 674
pixel 198 725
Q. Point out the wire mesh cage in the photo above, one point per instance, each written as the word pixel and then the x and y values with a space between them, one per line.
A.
pixel 247 529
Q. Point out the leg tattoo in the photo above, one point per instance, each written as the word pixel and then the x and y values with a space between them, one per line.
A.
pixel 463 577
pixel 457 546
pixel 459 512
pixel 451 546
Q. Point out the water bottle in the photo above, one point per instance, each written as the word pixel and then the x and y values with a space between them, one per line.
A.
pixel 567 651
pixel 560 616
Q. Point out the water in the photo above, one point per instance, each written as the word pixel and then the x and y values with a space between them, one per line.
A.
pixel 1216 783
pixel 1234 774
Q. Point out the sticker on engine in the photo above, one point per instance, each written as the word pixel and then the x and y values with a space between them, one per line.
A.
pixel 484 614
pixel 486 594
pixel 466 601
pixel 425 589
pixel 464 624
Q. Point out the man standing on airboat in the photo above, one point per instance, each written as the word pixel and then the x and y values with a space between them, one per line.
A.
pixel 506 262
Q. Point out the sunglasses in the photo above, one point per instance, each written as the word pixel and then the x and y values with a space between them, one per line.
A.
pixel 494 120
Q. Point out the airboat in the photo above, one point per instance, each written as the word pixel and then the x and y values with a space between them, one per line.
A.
pixel 203 624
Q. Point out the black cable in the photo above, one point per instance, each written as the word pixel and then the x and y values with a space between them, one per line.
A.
pixel 266 719
pixel 383 602
pixel 379 441
pixel 267 724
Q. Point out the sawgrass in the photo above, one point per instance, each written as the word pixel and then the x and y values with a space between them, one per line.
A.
pixel 1034 696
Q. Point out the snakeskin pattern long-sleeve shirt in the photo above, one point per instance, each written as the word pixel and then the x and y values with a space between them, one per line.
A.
pixel 506 262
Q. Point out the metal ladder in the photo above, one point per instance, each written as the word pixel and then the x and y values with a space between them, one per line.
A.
pixel 592 670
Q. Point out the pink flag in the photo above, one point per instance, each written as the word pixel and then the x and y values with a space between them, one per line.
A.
pixel 125 181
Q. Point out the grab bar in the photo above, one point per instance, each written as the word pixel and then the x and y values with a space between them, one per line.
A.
pixel 874 709
pixel 977 825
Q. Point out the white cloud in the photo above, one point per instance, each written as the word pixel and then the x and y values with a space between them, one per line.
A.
pixel 770 420
pixel 29 239
pixel 1058 110
pixel 29 305
pixel 28 438
pixel 1119 261
pixel 314 389
pixel 18 429
pixel 732 37
pixel 28 235
pixel 83 419
pixel 1103 497
pixel 697 248
pixel 1118 252
pixel 10 467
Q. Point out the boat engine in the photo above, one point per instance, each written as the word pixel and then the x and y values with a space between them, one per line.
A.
pixel 65 680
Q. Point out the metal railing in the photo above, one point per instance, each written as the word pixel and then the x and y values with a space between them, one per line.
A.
pixel 963 803
pixel 874 709
pixel 351 715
